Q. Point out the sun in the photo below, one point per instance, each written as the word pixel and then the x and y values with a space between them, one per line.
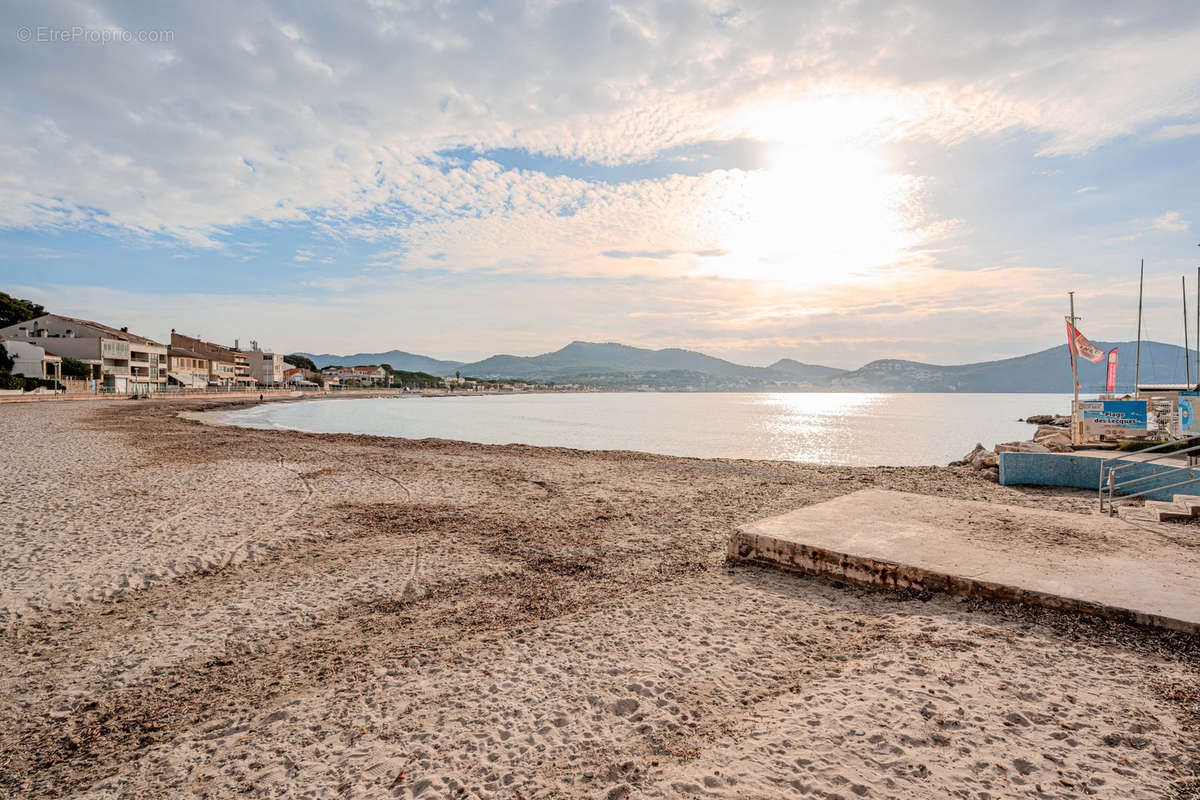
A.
pixel 827 207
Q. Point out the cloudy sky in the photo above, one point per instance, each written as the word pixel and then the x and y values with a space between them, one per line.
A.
pixel 832 182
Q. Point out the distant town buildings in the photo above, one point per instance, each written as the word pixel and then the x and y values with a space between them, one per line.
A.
pixel 302 378
pixel 357 376
pixel 116 360
pixel 79 354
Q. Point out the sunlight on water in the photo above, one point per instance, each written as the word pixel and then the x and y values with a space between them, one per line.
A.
pixel 852 429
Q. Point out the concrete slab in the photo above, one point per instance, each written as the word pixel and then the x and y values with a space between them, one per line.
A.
pixel 1087 564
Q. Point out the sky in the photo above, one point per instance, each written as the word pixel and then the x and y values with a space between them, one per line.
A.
pixel 830 182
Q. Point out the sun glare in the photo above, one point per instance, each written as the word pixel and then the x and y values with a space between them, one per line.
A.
pixel 827 208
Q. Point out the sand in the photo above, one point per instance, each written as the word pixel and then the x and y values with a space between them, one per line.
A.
pixel 199 611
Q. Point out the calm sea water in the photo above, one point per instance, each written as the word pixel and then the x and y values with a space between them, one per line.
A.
pixel 850 429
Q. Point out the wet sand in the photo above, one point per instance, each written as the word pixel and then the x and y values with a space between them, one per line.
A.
pixel 197 611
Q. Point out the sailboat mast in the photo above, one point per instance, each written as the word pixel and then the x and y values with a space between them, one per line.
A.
pixel 1137 363
pixel 1187 364
pixel 1074 374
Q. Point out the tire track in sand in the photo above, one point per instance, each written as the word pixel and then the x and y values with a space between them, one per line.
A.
pixel 250 538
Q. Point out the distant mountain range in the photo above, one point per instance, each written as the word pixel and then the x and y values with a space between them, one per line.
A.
pixel 397 359
pixel 614 365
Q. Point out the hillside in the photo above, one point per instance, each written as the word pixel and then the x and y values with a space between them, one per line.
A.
pixel 805 372
pixel 1044 371
pixel 611 358
pixel 613 365
pixel 398 359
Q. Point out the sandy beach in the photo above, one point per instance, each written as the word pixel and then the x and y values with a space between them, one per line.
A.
pixel 201 611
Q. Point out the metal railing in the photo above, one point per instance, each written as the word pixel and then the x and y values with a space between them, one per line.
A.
pixel 1110 486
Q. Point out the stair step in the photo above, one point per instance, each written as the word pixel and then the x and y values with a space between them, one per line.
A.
pixel 1189 501
pixel 1135 514
pixel 1166 510
pixel 1182 506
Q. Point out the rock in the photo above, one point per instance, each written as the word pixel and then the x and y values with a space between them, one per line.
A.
pixel 1057 444
pixel 991 474
pixel 977 448
pixel 1021 447
pixel 1053 437
pixel 980 459
pixel 1049 419
pixel 1048 430
pixel 972 457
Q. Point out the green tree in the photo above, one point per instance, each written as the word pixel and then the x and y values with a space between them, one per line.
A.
pixel 72 368
pixel 6 362
pixel 300 361
pixel 14 310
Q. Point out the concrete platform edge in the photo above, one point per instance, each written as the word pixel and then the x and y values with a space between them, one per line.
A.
pixel 865 571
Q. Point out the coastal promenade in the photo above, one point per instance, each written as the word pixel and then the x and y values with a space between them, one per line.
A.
pixel 193 610
pixel 193 397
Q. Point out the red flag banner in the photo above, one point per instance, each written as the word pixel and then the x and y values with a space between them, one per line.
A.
pixel 1111 384
pixel 1080 345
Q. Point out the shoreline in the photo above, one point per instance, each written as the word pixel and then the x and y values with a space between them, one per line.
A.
pixel 199 610
pixel 743 427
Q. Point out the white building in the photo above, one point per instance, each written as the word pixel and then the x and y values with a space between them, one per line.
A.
pixel 31 360
pixel 362 376
pixel 121 361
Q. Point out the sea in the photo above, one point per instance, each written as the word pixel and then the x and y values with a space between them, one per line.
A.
pixel 865 429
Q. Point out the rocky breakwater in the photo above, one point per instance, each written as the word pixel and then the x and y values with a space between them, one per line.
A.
pixel 1058 420
pixel 1047 439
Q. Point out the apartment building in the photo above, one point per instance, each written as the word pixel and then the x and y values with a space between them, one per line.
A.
pixel 265 366
pixel 360 376
pixel 189 369
pixel 226 368
pixel 120 361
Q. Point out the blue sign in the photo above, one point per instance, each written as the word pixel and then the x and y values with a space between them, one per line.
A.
pixel 1113 417
pixel 1189 412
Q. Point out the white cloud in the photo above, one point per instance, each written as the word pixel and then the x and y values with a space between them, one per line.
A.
pixel 1085 189
pixel 286 112
pixel 332 117
pixel 1167 222
pixel 1171 222
pixel 1182 131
